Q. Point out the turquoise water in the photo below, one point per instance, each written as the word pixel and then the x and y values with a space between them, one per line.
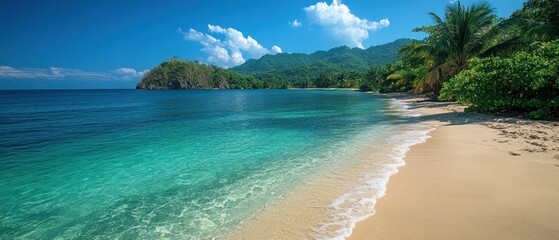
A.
pixel 133 164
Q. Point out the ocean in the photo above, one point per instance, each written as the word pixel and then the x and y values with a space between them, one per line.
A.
pixel 132 164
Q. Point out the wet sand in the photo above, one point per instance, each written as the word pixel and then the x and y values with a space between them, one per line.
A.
pixel 478 177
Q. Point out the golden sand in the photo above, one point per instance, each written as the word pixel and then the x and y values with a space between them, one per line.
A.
pixel 478 177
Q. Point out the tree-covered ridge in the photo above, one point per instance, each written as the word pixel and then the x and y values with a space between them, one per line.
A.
pixel 340 67
pixel 178 74
pixel 336 58
pixel 181 74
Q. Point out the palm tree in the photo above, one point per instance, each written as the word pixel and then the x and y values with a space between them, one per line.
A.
pixel 409 69
pixel 463 33
pixel 538 19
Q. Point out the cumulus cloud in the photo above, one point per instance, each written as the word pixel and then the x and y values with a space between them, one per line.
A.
pixel 230 50
pixel 131 72
pixel 276 49
pixel 216 29
pixel 68 73
pixel 295 23
pixel 344 26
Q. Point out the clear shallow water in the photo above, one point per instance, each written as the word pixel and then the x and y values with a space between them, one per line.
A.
pixel 165 164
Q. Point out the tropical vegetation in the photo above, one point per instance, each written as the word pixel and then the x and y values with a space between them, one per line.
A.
pixel 181 74
pixel 340 67
pixel 524 82
pixel 493 64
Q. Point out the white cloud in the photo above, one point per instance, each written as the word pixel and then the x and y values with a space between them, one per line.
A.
pixel 68 73
pixel 229 51
pixel 216 29
pixel 453 1
pixel 10 72
pixel 56 71
pixel 131 72
pixel 343 25
pixel 276 49
pixel 295 23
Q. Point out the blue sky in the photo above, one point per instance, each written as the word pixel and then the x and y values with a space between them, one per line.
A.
pixel 109 44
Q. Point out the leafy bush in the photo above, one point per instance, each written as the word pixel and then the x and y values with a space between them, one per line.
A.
pixel 525 82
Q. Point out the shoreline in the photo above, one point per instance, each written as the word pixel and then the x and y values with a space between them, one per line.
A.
pixel 328 207
pixel 496 178
pixel 478 176
pixel 341 89
pixel 473 176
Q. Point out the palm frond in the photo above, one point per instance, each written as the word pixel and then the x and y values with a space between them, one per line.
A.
pixel 509 44
pixel 432 81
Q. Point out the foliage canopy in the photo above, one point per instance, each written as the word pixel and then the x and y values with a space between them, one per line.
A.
pixel 525 82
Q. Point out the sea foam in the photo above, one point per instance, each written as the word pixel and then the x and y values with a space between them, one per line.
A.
pixel 358 204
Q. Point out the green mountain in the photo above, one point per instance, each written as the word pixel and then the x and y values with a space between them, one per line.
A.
pixel 340 58
pixel 338 67
pixel 180 74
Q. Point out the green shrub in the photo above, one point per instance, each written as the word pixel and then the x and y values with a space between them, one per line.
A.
pixel 526 82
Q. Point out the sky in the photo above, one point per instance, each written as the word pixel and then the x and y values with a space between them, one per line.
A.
pixel 76 44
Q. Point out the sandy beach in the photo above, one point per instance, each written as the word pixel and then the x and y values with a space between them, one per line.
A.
pixel 478 177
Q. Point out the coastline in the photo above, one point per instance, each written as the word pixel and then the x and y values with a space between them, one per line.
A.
pixel 338 89
pixel 496 178
pixel 477 177
pixel 329 204
pixel 468 176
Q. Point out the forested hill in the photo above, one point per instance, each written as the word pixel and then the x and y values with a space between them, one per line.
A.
pixel 338 67
pixel 182 74
pixel 342 58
